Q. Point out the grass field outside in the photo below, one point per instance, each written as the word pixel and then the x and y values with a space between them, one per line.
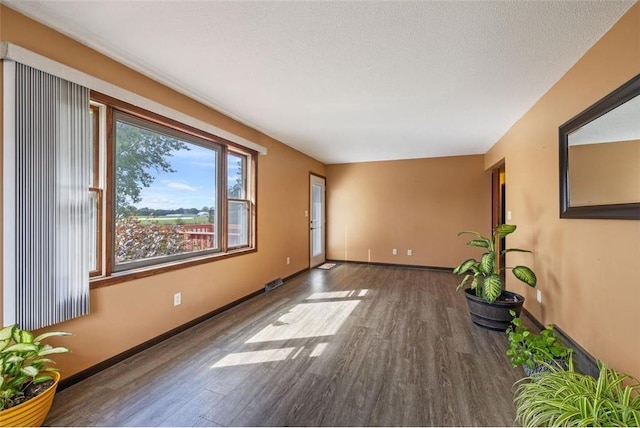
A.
pixel 183 219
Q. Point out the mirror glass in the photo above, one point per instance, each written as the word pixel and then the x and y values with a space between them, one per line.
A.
pixel 604 158
pixel 600 158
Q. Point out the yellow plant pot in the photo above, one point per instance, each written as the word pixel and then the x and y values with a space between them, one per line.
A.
pixel 31 413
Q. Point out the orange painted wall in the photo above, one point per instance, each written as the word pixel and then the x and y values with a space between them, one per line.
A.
pixel 125 315
pixel 417 204
pixel 587 270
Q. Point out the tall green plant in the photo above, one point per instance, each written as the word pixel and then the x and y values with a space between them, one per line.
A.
pixel 24 360
pixel 485 272
pixel 568 398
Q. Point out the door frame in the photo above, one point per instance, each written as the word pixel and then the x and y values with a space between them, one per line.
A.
pixel 313 264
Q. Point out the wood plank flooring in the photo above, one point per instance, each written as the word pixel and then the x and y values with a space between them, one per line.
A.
pixel 357 345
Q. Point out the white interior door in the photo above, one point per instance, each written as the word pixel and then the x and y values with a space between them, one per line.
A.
pixel 317 220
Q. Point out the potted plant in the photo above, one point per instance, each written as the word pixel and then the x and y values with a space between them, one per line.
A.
pixel 535 352
pixel 569 398
pixel 489 303
pixel 28 380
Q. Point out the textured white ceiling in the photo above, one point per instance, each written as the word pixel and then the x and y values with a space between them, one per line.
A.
pixel 349 81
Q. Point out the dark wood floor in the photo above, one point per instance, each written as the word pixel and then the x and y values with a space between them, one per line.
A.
pixel 357 345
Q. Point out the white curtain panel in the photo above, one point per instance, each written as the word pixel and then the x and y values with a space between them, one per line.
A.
pixel 52 207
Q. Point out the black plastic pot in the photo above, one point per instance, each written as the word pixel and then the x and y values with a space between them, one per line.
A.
pixel 541 368
pixel 494 316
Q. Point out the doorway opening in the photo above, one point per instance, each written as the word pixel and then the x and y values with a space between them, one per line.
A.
pixel 498 211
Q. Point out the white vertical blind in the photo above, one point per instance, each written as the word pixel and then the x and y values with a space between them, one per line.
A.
pixel 52 207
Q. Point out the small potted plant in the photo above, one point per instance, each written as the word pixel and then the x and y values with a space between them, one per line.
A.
pixel 535 352
pixel 489 303
pixel 568 398
pixel 28 381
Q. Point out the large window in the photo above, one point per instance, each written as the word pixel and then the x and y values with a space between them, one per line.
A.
pixel 167 197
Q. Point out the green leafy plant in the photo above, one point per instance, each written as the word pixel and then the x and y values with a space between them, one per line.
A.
pixel 568 398
pixel 485 273
pixel 135 240
pixel 24 360
pixel 534 352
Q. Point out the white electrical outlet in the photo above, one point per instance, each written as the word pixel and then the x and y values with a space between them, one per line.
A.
pixel 177 299
pixel 409 252
pixel 508 215
pixel 288 260
pixel 394 252
pixel 539 296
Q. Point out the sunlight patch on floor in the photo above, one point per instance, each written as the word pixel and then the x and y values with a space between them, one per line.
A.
pixel 337 294
pixel 318 350
pixel 267 356
pixel 307 320
pixel 254 357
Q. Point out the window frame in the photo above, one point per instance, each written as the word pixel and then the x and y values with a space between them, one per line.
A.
pixel 96 185
pixel 135 121
pixel 246 167
pixel 110 272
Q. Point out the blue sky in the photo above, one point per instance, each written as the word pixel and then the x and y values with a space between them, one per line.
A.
pixel 191 186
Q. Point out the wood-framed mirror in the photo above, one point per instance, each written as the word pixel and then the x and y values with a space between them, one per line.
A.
pixel 600 158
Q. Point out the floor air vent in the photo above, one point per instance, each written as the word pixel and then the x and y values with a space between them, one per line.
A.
pixel 273 284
